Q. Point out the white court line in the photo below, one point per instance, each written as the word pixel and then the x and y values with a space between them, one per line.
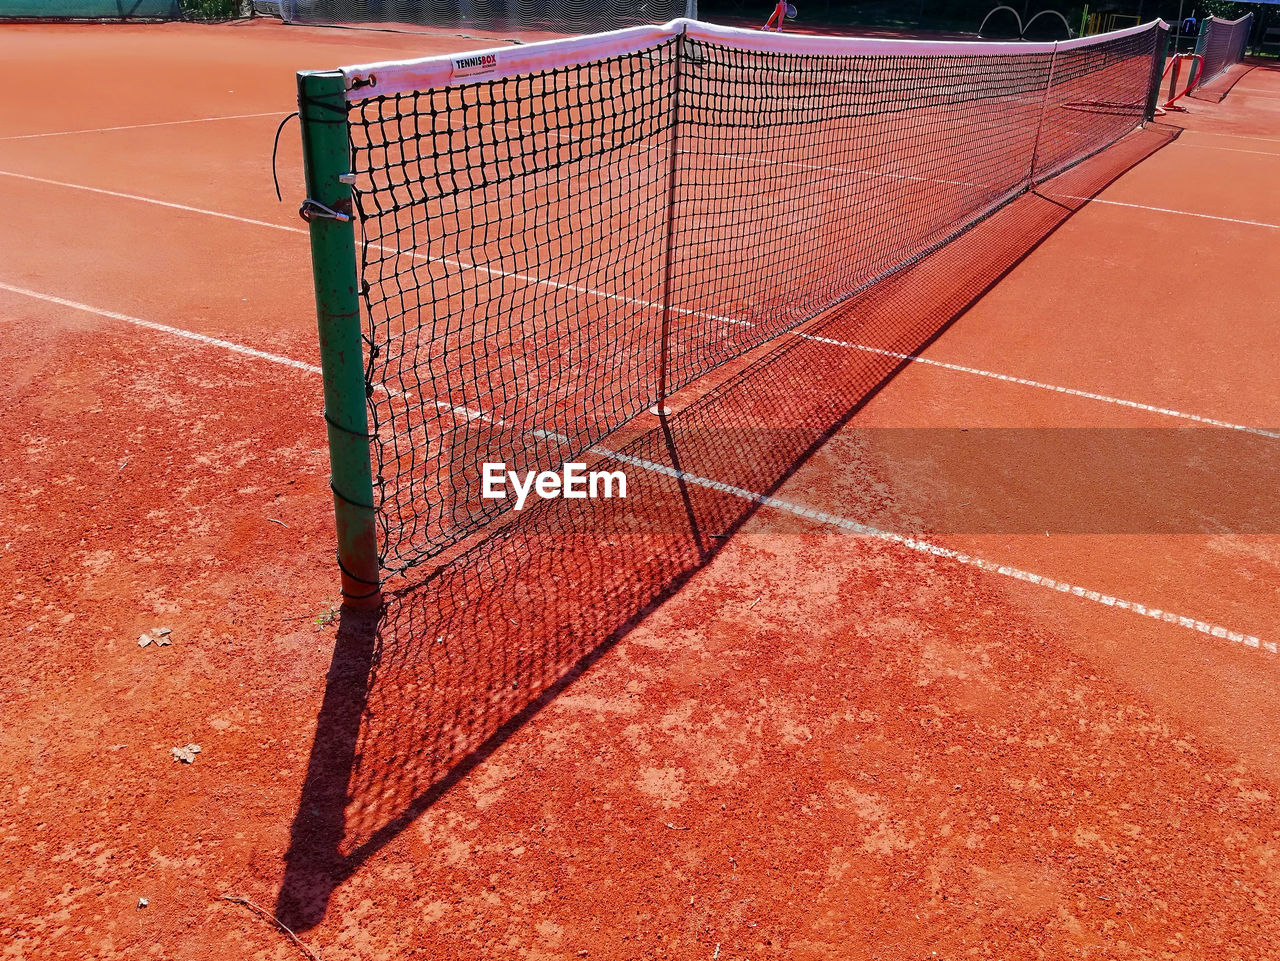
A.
pixel 471 415
pixel 1211 146
pixel 141 126
pixel 1168 210
pixel 962 183
pixel 1234 136
pixel 982 186
pixel 1088 395
pixel 605 295
pixel 165 329
pixel 152 200
pixel 924 547
pixel 215 342
pixel 764 500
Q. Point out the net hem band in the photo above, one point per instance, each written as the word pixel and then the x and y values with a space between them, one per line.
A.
pixel 429 73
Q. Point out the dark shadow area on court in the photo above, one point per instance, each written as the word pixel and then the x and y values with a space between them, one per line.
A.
pixel 422 694
pixel 1216 90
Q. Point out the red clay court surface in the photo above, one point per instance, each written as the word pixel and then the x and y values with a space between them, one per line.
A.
pixel 808 742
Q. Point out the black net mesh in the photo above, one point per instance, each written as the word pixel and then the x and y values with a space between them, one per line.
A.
pixel 115 10
pixel 557 16
pixel 422 694
pixel 1222 45
pixel 547 256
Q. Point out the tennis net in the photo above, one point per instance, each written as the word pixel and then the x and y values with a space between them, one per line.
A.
pixel 557 16
pixel 112 10
pixel 1222 44
pixel 554 238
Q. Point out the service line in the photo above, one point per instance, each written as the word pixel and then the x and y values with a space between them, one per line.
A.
pixel 141 126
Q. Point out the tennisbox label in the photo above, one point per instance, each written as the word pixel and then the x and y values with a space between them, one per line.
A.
pixel 573 482
pixel 474 65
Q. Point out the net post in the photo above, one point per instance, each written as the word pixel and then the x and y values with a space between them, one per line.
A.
pixel 669 255
pixel 1158 57
pixel 326 152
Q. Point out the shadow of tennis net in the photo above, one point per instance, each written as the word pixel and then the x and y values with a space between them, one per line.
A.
pixel 1216 90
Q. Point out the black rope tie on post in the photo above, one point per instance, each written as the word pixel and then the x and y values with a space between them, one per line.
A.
pixel 347 500
pixel 354 433
pixel 275 149
pixel 316 109
pixel 313 107
pixel 358 579
pixel 346 430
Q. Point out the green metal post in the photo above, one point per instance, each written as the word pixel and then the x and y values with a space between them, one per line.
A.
pixel 1157 71
pixel 323 111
